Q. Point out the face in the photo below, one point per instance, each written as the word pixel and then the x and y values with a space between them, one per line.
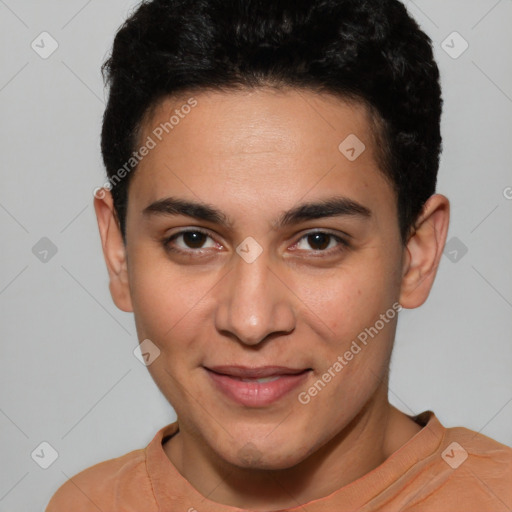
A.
pixel 257 253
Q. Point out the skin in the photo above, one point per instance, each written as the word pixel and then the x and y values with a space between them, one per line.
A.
pixel 252 155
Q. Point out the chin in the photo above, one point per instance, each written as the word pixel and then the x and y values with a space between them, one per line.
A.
pixel 266 455
pixel 275 441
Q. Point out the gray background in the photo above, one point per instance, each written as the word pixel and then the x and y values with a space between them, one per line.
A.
pixel 68 375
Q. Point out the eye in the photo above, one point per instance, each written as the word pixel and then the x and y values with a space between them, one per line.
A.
pixel 196 241
pixel 320 241
pixel 189 241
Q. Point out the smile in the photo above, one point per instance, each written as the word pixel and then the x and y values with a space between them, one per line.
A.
pixel 256 387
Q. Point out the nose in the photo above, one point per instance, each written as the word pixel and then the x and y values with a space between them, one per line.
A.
pixel 254 302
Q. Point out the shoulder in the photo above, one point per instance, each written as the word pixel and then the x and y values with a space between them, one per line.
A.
pixel 455 468
pixel 479 464
pixel 108 486
pixel 480 450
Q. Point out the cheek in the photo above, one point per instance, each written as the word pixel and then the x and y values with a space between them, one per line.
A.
pixel 158 297
pixel 350 298
pixel 170 302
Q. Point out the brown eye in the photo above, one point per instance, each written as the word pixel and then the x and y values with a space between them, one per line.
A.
pixel 194 239
pixel 319 241
pixel 189 241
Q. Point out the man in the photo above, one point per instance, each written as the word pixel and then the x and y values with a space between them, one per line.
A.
pixel 270 209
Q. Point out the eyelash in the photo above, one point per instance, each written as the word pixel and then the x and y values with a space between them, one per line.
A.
pixel 342 243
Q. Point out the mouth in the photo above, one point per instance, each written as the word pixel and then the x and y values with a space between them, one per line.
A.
pixel 256 387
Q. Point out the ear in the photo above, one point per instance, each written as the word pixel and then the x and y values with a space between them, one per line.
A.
pixel 423 251
pixel 114 249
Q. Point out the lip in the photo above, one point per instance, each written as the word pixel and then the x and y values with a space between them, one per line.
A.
pixel 239 383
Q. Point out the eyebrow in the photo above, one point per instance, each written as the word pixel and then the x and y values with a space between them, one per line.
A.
pixel 330 207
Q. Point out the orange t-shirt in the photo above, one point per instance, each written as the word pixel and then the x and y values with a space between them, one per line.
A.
pixel 437 470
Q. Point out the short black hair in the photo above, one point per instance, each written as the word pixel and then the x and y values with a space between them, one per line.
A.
pixel 371 51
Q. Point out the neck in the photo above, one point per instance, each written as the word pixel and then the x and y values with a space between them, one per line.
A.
pixel 368 440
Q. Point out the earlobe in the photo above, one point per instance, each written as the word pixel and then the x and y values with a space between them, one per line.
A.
pixel 114 250
pixel 423 251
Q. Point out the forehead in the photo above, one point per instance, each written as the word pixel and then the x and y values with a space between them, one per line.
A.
pixel 254 142
pixel 262 119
